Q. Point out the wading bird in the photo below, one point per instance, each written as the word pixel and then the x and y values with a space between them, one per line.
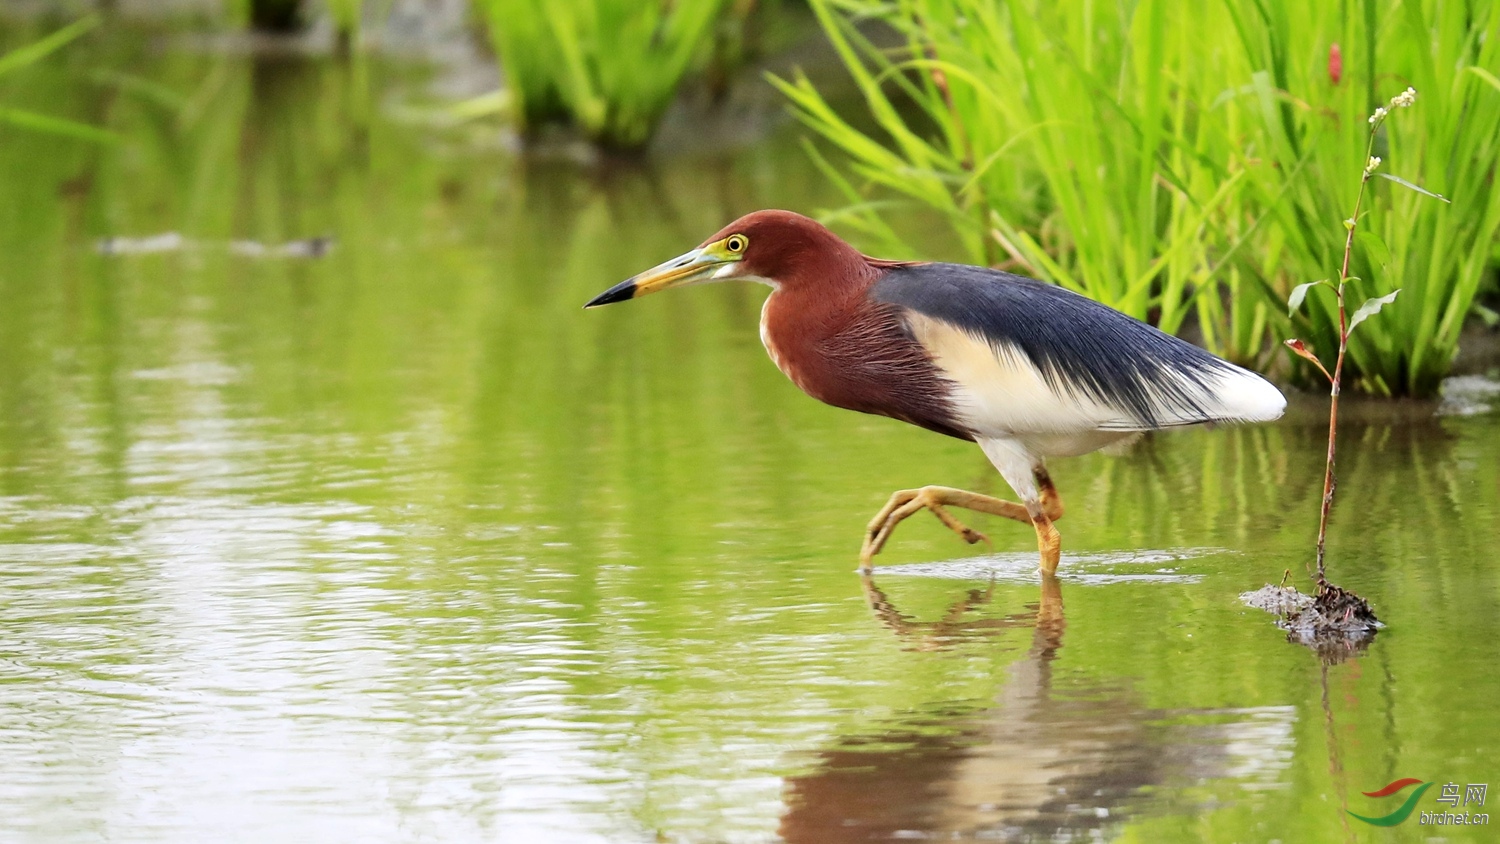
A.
pixel 1027 370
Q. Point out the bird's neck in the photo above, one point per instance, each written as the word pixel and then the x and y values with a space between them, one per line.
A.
pixel 799 318
pixel 814 307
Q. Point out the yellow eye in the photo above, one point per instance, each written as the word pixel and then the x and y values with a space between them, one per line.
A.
pixel 736 243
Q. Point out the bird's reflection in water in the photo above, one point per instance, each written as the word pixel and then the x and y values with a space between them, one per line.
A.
pixel 958 624
pixel 1044 762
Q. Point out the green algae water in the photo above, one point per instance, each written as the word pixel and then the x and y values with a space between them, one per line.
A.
pixel 327 514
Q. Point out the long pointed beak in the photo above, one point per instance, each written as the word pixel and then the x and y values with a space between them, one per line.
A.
pixel 690 268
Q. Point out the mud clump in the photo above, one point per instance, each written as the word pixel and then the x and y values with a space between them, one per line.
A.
pixel 1334 622
pixel 1276 600
pixel 1336 608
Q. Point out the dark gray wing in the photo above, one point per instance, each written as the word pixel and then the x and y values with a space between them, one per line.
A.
pixel 1080 347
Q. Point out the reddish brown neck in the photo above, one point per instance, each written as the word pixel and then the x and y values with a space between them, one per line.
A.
pixel 844 349
pixel 819 303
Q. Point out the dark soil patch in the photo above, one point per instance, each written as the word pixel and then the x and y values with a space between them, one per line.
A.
pixel 1334 622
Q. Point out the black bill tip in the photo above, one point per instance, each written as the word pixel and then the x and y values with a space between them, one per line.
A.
pixel 619 293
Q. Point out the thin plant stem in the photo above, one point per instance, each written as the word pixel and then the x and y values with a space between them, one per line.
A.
pixel 1329 481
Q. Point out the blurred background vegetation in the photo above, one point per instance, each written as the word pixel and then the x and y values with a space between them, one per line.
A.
pixel 1187 165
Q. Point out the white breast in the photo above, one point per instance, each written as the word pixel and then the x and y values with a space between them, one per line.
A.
pixel 781 361
pixel 765 337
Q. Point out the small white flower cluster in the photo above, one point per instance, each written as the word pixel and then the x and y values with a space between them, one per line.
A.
pixel 1373 163
pixel 1401 100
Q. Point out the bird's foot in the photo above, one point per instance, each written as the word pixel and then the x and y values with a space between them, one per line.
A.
pixel 904 503
pixel 1049 543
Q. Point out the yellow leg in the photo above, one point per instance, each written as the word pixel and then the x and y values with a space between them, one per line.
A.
pixel 1049 543
pixel 935 498
pixel 1051 502
pixel 1048 540
pixel 1041 514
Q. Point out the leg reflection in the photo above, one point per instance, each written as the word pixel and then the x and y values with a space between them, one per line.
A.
pixel 960 623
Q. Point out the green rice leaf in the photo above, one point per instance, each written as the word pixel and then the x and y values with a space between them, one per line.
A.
pixel 1485 75
pixel 56 126
pixel 146 89
pixel 1375 247
pixel 38 50
pixel 484 105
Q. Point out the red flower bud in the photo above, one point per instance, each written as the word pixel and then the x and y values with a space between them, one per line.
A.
pixel 1335 63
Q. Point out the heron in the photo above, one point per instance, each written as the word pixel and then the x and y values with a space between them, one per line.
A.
pixel 1025 369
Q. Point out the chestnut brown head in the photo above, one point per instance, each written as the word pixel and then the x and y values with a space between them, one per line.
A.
pixel 774 247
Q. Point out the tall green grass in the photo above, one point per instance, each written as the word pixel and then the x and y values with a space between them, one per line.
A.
pixel 1313 134
pixel 1182 161
pixel 610 67
pixel 27 55
pixel 1069 142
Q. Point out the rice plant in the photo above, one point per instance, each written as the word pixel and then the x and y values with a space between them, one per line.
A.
pixel 610 67
pixel 1183 160
pixel 29 54
pixel 1311 125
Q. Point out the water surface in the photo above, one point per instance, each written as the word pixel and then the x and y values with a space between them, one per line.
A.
pixel 397 543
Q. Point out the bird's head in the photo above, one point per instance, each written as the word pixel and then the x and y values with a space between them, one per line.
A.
pixel 779 248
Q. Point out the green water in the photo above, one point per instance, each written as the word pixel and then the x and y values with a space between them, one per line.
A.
pixel 400 544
